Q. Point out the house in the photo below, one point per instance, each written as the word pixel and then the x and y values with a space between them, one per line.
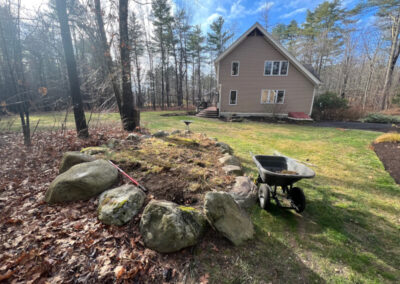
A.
pixel 257 76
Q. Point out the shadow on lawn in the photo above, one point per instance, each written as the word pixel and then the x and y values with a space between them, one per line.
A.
pixel 348 236
pixel 264 259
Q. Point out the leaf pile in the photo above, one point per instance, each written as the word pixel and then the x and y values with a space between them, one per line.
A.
pixel 66 243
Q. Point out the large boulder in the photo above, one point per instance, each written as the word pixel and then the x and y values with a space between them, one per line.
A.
pixel 232 170
pixel 229 160
pixel 167 227
pixel 244 192
pixel 82 181
pixel 226 216
pixel 225 148
pixel 70 159
pixel 119 205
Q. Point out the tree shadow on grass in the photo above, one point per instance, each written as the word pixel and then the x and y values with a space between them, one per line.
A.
pixel 264 259
pixel 350 235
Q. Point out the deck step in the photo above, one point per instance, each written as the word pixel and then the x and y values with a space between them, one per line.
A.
pixel 210 112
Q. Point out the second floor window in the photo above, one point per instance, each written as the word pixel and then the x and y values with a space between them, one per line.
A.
pixel 276 68
pixel 235 68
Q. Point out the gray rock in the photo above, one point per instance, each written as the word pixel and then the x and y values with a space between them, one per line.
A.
pixel 225 148
pixel 119 205
pixel 233 170
pixel 160 134
pixel 70 159
pixel 147 136
pixel 226 216
pixel 175 132
pixel 167 227
pixel 82 181
pixel 112 142
pixel 244 192
pixel 133 137
pixel 230 160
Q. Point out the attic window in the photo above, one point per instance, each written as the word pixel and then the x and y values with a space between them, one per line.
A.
pixel 276 68
pixel 235 68
pixel 255 32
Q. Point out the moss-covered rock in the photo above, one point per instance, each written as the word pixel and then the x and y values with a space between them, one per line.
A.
pixel 94 150
pixel 119 205
pixel 167 227
pixel 82 181
pixel 70 159
pixel 226 216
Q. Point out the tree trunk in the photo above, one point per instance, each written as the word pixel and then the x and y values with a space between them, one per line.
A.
pixel 198 75
pixel 130 115
pixel 80 120
pixel 394 54
pixel 107 54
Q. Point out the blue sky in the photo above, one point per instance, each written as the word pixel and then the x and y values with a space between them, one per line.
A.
pixel 241 14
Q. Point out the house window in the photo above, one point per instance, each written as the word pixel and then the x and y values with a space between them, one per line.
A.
pixel 272 96
pixel 276 68
pixel 233 98
pixel 235 68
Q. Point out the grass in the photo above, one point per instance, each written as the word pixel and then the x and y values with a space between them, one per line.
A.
pixel 350 230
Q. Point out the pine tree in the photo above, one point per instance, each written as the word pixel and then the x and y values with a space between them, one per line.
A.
pixel 219 36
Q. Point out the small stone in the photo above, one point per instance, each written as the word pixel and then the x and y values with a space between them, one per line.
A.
pixel 160 134
pixel 175 132
pixel 230 160
pixel 233 170
pixel 225 148
pixel 112 143
pixel 70 159
pixel 133 137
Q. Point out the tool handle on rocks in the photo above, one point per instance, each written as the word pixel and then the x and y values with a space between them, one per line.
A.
pixel 128 176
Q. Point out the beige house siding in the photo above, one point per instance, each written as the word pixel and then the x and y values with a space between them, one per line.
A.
pixel 252 53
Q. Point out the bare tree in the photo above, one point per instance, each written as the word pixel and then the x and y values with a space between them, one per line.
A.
pixel 80 120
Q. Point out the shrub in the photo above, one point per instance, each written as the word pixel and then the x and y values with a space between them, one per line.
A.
pixel 329 106
pixel 381 118
pixel 388 137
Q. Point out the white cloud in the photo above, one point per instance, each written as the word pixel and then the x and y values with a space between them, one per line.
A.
pixel 293 13
pixel 262 5
pixel 221 10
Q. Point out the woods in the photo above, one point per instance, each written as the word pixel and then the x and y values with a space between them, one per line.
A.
pixel 113 56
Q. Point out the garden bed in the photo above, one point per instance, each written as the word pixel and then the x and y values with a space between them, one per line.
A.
pixel 389 154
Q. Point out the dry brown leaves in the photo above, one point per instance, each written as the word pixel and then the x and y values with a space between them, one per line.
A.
pixel 63 243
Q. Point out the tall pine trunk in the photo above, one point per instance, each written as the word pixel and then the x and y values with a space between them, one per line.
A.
pixel 107 54
pixel 80 119
pixel 130 115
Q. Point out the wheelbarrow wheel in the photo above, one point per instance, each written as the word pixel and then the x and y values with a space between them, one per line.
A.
pixel 264 196
pixel 298 199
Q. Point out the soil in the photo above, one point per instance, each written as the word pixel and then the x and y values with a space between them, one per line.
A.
pixel 389 154
pixel 65 243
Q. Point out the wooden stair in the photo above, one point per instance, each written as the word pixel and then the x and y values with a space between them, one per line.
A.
pixel 210 112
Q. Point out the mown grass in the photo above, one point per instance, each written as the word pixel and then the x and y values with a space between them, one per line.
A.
pixel 350 230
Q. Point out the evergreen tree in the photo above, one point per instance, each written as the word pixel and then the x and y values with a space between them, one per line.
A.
pixel 218 37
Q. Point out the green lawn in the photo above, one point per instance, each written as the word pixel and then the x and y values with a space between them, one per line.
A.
pixel 350 230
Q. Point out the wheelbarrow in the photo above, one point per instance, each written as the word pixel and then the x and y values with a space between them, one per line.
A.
pixel 283 172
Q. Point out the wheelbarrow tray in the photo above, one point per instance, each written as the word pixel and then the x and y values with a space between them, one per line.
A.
pixel 270 170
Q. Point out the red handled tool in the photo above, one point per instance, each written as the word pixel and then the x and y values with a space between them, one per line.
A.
pixel 129 177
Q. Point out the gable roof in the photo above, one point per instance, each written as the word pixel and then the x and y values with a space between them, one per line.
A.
pixel 277 45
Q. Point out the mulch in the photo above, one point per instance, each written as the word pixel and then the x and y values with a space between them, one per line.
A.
pixel 389 154
pixel 65 243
